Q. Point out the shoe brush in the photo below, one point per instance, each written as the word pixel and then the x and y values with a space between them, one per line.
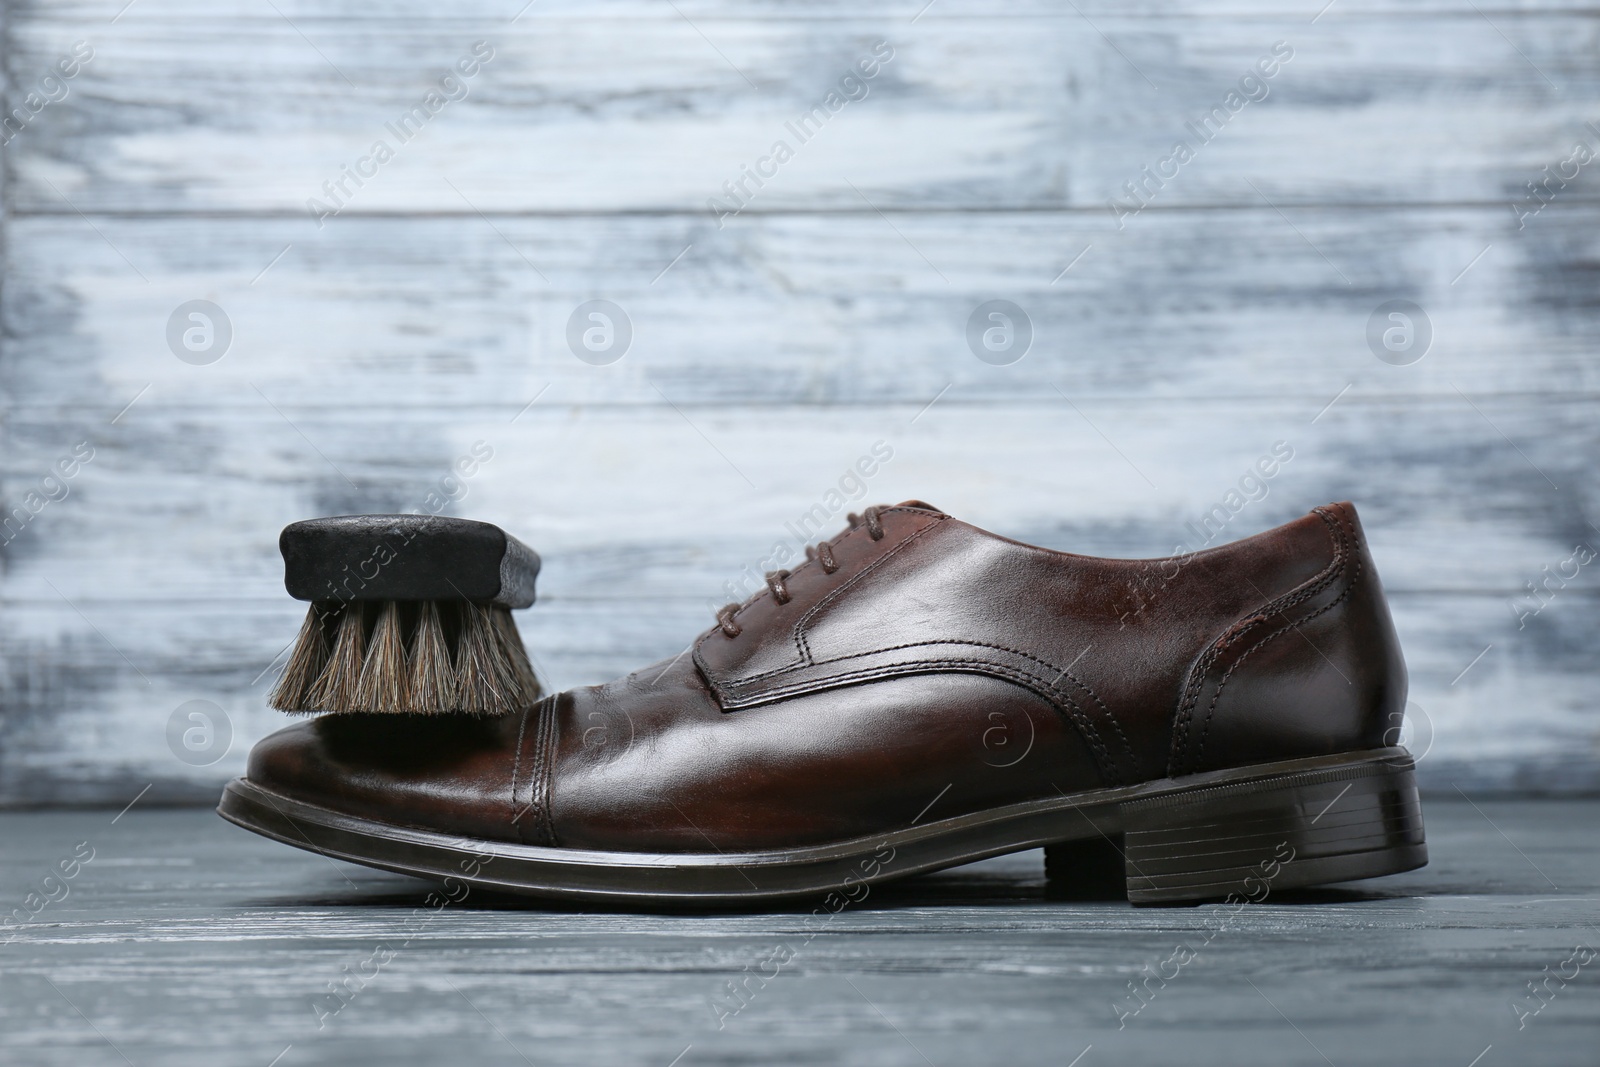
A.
pixel 410 614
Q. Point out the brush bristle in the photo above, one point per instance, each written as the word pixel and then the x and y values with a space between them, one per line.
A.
pixel 480 686
pixel 442 658
pixel 382 684
pixel 336 689
pixel 514 657
pixel 307 660
pixel 432 688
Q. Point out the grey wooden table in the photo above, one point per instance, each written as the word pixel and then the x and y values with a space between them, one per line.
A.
pixel 184 940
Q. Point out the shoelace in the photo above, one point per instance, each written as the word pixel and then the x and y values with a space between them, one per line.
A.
pixel 822 552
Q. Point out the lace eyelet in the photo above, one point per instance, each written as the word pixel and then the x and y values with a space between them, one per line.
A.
pixel 822 552
pixel 874 524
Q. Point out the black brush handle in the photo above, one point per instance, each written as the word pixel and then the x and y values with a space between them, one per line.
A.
pixel 406 557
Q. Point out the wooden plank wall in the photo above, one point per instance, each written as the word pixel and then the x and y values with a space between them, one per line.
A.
pixel 1388 158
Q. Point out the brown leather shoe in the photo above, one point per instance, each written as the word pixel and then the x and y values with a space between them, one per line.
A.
pixel 918 694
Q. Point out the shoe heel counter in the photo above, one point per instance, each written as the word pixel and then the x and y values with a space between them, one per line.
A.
pixel 1316 672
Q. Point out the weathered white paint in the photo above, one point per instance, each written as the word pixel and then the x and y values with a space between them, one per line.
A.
pixel 814 308
pixel 207 111
pixel 768 355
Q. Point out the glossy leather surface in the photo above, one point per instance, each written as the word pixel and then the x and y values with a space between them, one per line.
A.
pixel 938 670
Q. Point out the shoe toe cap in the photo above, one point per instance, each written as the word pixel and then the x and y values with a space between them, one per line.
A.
pixel 448 773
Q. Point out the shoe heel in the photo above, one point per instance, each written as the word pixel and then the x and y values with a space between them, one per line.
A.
pixel 1247 840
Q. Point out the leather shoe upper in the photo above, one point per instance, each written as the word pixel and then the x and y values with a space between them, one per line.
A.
pixel 914 668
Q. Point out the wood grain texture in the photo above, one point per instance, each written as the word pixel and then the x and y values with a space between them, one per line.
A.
pixel 191 111
pixel 202 614
pixel 770 353
pixel 188 941
pixel 460 313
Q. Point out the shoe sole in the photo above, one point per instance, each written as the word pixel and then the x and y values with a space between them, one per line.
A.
pixel 1241 833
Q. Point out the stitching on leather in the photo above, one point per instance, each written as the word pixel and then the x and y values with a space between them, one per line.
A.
pixel 532 818
pixel 525 814
pixel 804 620
pixel 897 648
pixel 812 562
pixel 1133 761
pixel 1107 764
pixel 1060 700
pixel 1344 541
pixel 1197 675
pixel 700 644
pixel 544 758
pixel 972 666
pixel 1200 744
pixel 890 669
pixel 516 764
pixel 1329 575
pixel 1085 725
pixel 1108 769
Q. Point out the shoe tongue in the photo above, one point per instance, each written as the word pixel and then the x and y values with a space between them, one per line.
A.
pixel 923 504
